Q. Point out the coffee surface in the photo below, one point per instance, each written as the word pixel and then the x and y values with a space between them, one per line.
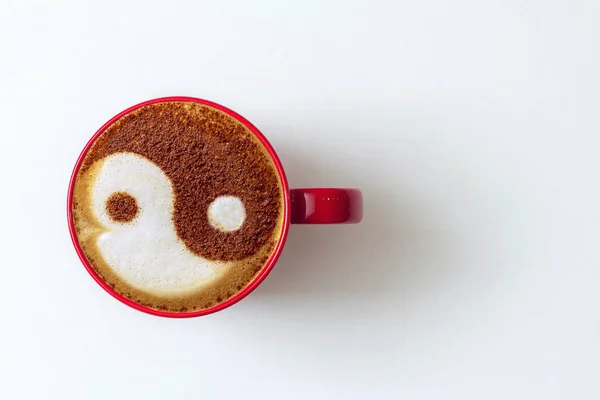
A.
pixel 177 206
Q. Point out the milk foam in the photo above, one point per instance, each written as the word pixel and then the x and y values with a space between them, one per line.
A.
pixel 226 213
pixel 146 252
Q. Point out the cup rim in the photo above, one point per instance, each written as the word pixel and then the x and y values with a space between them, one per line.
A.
pixel 256 281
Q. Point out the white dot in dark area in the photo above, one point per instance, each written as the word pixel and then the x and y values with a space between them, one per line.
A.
pixel 226 213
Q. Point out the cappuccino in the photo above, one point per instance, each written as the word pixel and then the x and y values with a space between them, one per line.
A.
pixel 177 206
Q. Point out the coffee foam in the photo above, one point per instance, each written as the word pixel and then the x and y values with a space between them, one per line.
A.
pixel 142 156
pixel 226 213
pixel 146 252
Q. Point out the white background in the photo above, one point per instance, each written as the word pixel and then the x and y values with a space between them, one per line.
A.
pixel 472 128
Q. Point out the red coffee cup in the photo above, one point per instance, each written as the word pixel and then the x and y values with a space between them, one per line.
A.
pixel 301 206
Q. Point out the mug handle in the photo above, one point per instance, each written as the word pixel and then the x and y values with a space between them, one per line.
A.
pixel 326 206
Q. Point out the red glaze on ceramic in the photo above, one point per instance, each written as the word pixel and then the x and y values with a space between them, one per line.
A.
pixel 326 206
pixel 302 206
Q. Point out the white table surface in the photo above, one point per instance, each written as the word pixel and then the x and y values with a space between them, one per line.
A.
pixel 472 128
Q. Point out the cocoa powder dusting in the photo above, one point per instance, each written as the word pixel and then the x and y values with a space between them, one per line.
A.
pixel 206 154
pixel 121 207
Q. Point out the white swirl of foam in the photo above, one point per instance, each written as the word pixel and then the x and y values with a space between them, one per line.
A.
pixel 146 252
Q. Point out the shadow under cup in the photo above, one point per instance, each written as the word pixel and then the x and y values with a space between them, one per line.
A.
pixel 307 206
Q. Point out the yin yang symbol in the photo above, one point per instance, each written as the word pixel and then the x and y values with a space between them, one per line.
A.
pixel 180 194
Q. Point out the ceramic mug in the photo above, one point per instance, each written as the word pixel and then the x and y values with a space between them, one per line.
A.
pixel 300 206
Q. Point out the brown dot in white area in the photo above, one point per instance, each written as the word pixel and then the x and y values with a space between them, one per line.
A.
pixel 121 207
